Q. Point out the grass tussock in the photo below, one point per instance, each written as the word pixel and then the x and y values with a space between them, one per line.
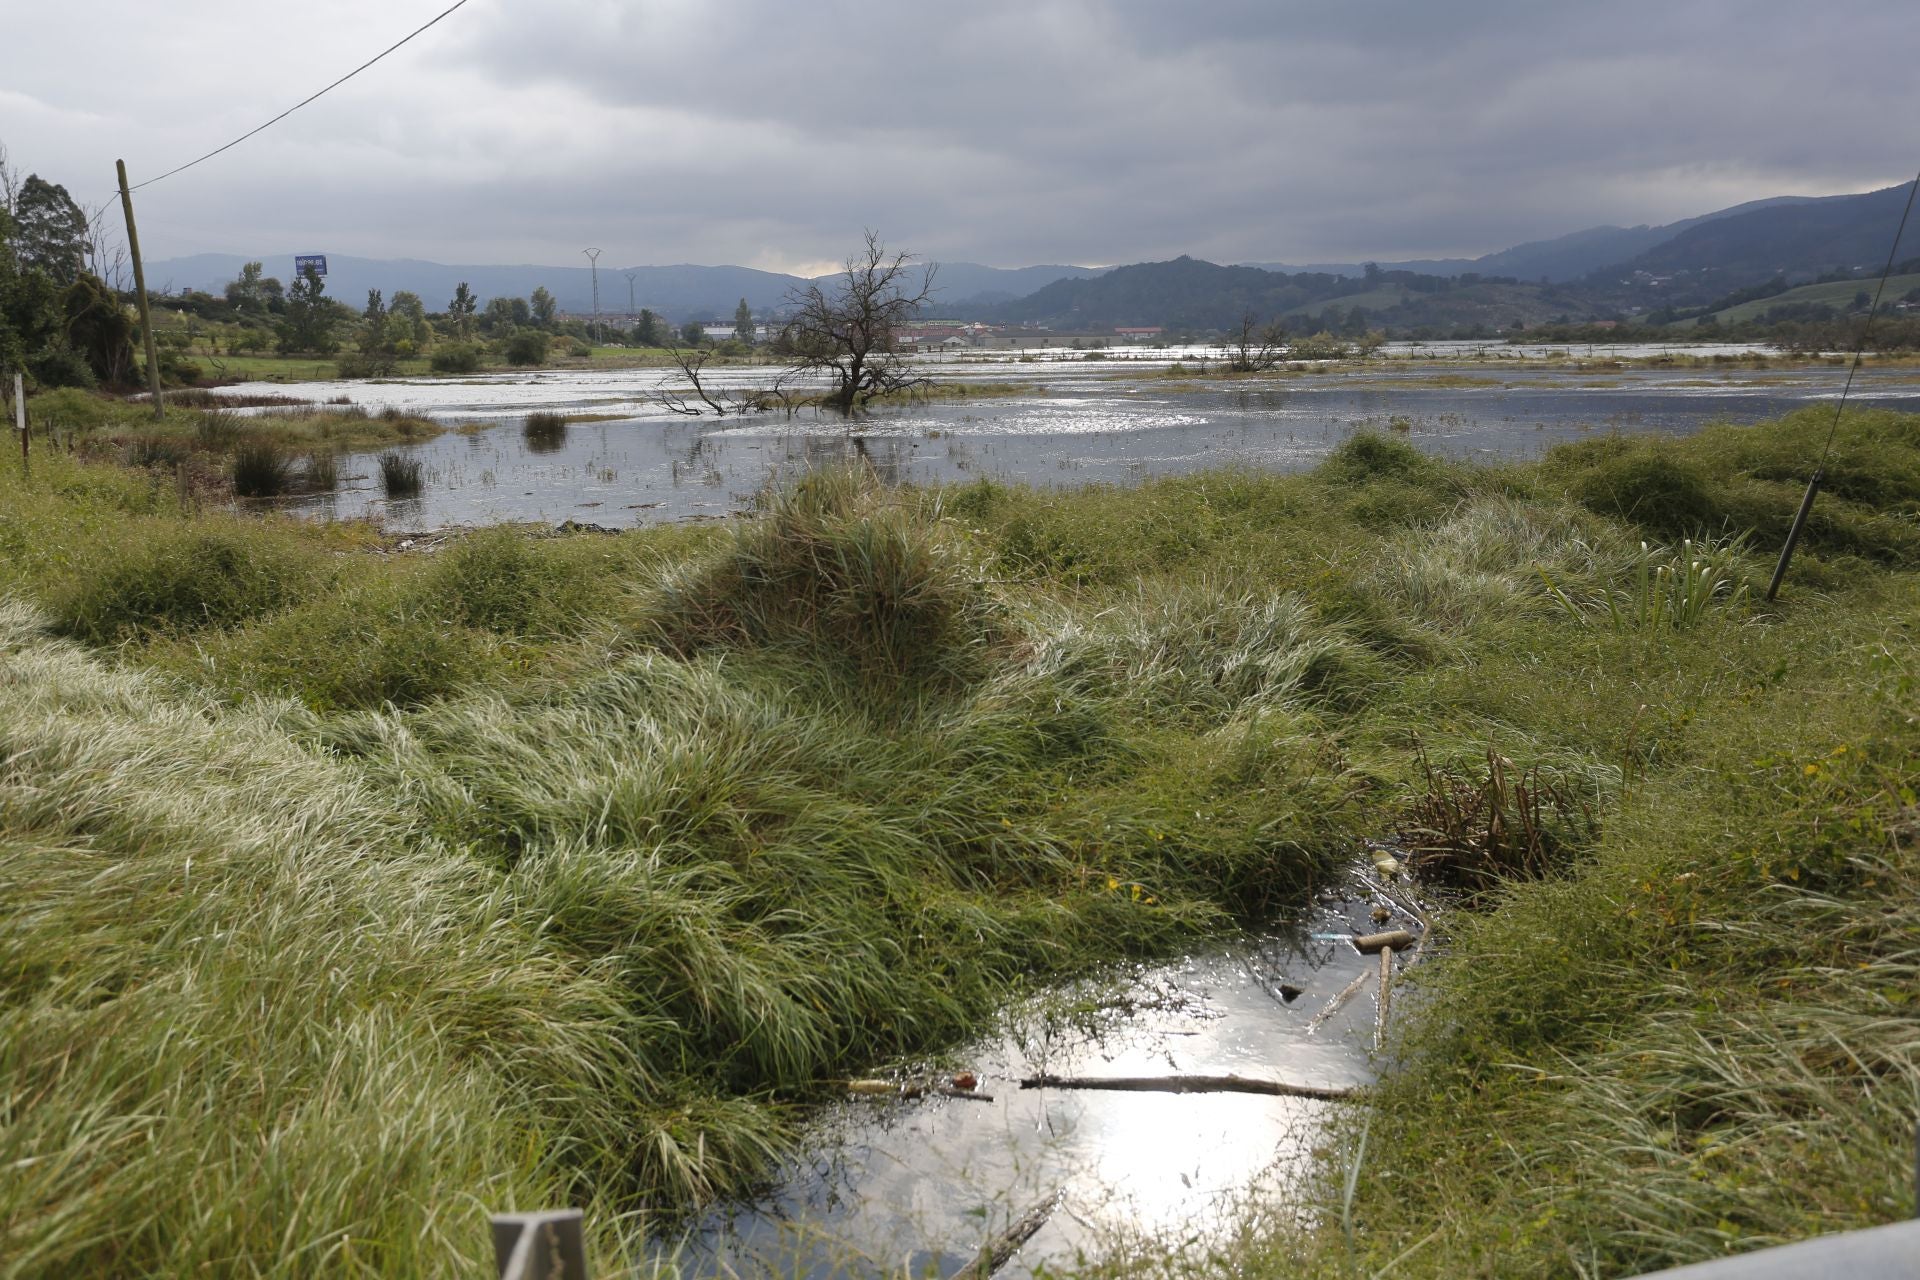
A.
pixel 891 593
pixel 181 579
pixel 353 895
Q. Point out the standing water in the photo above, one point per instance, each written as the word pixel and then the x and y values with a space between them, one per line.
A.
pixel 892 1186
pixel 626 460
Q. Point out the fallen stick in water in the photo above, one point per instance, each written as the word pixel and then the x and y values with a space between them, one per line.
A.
pixel 1192 1084
pixel 999 1251
pixel 1371 942
pixel 1333 1006
pixel 1386 992
pixel 888 1089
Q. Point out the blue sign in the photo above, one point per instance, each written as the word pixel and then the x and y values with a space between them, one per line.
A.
pixel 304 262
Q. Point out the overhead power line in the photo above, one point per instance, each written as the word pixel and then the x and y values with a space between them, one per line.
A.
pixel 304 101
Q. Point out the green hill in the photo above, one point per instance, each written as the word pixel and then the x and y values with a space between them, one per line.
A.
pixel 1838 294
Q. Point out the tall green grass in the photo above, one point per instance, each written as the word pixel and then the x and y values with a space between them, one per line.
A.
pixel 351 896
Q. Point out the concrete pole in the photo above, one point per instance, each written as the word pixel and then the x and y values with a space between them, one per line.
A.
pixel 140 288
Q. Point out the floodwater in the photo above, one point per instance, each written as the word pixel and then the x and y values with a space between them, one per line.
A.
pixel 889 1187
pixel 1116 419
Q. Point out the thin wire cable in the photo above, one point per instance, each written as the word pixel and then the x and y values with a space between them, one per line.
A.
pixel 304 101
pixel 1833 428
pixel 1866 329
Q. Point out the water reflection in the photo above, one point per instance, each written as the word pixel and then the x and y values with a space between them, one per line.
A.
pixel 1080 423
pixel 918 1186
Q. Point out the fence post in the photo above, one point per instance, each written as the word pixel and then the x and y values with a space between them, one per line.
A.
pixel 540 1246
pixel 20 417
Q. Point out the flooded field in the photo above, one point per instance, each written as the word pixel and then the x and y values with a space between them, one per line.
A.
pixel 1074 420
pixel 914 1187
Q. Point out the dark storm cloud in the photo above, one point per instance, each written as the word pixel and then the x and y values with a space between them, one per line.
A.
pixel 771 132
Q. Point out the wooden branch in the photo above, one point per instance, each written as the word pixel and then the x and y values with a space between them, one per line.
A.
pixel 999 1251
pixel 1192 1084
pixel 1368 943
pixel 1333 1006
pixel 888 1089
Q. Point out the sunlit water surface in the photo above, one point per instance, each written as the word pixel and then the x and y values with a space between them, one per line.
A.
pixel 1115 420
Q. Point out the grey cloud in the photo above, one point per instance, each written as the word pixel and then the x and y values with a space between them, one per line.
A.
pixel 1063 130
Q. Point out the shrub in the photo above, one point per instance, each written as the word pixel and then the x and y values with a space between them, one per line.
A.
pixel 260 469
pixel 527 347
pixel 400 474
pixel 177 370
pixel 62 366
pixel 457 357
pixel 366 364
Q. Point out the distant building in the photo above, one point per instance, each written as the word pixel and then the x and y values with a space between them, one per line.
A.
pixel 1139 333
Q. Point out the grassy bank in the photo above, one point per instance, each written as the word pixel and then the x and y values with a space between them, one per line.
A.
pixel 208 450
pixel 352 895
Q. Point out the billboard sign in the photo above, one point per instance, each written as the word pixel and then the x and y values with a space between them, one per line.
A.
pixel 302 262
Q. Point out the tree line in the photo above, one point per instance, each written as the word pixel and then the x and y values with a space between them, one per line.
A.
pixel 59 322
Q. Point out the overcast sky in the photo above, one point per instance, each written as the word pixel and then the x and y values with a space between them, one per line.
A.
pixel 768 133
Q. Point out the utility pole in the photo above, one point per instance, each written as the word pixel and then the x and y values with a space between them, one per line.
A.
pixel 631 313
pixel 593 259
pixel 140 288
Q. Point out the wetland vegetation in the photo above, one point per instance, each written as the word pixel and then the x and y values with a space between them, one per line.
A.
pixel 355 892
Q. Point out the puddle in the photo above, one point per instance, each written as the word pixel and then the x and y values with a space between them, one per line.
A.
pixel 894 1187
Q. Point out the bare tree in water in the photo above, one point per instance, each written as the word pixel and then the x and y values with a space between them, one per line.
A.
pixel 844 329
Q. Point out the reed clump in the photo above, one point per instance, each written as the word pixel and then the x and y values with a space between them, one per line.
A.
pixel 401 475
pixel 260 469
pixel 545 432
pixel 320 472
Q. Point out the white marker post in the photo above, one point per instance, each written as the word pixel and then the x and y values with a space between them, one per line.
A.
pixel 20 415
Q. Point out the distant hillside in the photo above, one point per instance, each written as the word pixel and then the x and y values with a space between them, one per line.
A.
pixel 1185 293
pixel 1188 294
pixel 1801 239
pixel 676 292
pixel 1841 295
pixel 1562 258
pixel 967 286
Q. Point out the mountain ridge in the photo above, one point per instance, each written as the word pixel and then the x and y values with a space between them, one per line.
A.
pixel 678 292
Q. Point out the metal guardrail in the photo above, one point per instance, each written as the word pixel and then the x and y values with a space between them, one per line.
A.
pixel 1877 1253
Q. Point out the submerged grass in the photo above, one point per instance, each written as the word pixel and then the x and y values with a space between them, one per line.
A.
pixel 352 895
